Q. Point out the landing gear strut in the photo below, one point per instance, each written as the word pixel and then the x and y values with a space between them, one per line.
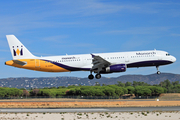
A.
pixel 158 72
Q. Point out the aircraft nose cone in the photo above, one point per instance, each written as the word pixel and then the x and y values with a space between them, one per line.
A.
pixel 173 59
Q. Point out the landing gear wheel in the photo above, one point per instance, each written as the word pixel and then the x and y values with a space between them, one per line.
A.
pixel 98 76
pixel 90 76
pixel 158 72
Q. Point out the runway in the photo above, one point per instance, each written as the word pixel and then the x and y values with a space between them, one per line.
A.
pixel 121 109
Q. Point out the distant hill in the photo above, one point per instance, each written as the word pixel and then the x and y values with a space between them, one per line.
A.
pixel 42 82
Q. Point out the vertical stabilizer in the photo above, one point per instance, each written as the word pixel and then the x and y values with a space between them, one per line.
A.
pixel 18 50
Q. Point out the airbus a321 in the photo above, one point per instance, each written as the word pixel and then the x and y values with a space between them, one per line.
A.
pixel 99 63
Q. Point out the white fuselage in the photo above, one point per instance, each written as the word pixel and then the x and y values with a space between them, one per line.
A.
pixel 131 59
pixel 97 62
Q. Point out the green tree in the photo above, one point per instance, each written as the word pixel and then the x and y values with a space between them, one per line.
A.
pixel 48 92
pixel 131 90
pixel 99 92
pixel 159 90
pixel 109 91
pixel 2 92
pixel 97 84
pixel 142 91
pixel 119 91
pixel 72 86
pixel 125 90
pixel 128 84
pixel 135 83
pixel 120 84
pixel 167 84
pixel 175 83
pixel 60 92
pixel 71 92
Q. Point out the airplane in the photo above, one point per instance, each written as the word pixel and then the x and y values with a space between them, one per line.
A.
pixel 99 63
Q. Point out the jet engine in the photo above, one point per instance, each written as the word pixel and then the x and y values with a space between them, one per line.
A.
pixel 116 68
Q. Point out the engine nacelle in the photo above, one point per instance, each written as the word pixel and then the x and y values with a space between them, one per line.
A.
pixel 116 68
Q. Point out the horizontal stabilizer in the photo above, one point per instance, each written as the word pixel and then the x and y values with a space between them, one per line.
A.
pixel 19 62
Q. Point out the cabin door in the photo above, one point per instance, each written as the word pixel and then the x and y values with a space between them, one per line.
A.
pixel 127 59
pixel 37 63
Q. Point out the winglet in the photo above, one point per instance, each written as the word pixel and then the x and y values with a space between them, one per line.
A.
pixel 93 55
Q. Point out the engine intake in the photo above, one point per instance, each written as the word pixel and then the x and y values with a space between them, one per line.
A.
pixel 116 68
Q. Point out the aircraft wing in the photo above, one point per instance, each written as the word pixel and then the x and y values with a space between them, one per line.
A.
pixel 99 63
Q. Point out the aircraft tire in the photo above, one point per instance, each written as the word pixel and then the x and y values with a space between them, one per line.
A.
pixel 158 72
pixel 98 76
pixel 91 77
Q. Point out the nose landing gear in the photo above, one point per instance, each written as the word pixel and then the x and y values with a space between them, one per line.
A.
pixel 158 72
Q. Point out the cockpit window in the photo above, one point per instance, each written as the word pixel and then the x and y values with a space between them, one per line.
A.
pixel 167 54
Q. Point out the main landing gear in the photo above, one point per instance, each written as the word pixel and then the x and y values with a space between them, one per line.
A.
pixel 158 72
pixel 98 76
pixel 91 76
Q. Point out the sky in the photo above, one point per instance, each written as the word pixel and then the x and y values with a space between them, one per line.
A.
pixel 59 27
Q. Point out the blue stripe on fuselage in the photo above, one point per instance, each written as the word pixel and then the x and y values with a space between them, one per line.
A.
pixel 149 63
pixel 68 67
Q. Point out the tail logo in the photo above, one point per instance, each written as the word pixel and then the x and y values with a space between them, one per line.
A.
pixel 17 51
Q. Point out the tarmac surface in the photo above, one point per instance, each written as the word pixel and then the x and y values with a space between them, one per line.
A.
pixel 70 110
